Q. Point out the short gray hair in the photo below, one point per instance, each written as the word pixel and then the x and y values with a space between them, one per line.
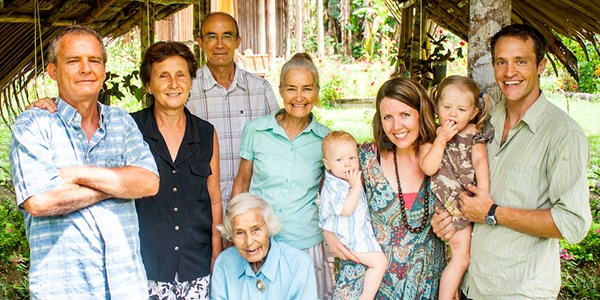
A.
pixel 244 203
pixel 76 30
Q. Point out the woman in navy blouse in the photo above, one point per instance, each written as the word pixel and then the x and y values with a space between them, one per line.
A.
pixel 178 235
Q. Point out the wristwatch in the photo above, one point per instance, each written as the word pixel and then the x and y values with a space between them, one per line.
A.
pixel 490 219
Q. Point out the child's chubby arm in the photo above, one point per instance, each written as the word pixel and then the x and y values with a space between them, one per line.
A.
pixel 431 154
pixel 355 180
pixel 479 159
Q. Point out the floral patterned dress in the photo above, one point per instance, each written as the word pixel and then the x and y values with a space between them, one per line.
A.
pixel 456 173
pixel 415 260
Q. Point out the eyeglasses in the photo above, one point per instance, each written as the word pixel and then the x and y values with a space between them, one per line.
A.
pixel 225 38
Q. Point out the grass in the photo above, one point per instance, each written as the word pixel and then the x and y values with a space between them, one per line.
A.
pixel 357 121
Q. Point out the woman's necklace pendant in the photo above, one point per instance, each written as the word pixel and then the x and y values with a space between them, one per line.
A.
pixel 260 285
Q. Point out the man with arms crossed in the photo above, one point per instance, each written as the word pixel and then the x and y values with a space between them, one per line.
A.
pixel 538 190
pixel 75 172
pixel 225 95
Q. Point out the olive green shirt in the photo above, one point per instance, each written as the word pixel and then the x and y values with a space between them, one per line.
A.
pixel 542 164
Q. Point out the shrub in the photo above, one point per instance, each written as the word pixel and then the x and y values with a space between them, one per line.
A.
pixel 14 251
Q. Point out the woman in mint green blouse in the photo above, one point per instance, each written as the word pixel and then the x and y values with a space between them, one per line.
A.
pixel 281 161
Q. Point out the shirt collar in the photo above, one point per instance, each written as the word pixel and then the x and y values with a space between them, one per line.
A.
pixel 151 127
pixel 533 116
pixel 210 82
pixel 313 126
pixel 531 119
pixel 70 115
pixel 269 267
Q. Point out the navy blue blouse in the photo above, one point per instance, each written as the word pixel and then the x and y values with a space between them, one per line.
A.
pixel 175 224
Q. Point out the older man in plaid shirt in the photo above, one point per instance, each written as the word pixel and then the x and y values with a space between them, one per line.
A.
pixel 74 173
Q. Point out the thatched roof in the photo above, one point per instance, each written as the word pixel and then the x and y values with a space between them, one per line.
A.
pixel 577 19
pixel 20 18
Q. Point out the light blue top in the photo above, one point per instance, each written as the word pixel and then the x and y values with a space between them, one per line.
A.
pixel 92 253
pixel 287 273
pixel 354 231
pixel 287 174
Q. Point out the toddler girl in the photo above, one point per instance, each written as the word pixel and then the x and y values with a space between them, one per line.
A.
pixel 456 158
pixel 344 208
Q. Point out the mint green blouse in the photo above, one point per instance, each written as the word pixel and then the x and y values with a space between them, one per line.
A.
pixel 287 174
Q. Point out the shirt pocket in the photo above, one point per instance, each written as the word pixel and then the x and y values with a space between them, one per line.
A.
pixel 200 172
pixel 523 186
pixel 200 208
pixel 113 161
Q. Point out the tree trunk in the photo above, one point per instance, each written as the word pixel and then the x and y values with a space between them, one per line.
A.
pixel 272 32
pixel 299 23
pixel 346 34
pixel 262 28
pixel 486 18
pixel 320 30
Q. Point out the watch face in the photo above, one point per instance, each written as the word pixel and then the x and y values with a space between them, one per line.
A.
pixel 490 220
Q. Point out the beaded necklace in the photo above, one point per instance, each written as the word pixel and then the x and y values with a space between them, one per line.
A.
pixel 402 206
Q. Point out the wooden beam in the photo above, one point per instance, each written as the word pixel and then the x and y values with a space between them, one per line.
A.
pixel 97 11
pixel 30 19
pixel 169 2
pixel 57 12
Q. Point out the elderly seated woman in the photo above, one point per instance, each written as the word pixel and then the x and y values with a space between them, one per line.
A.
pixel 259 267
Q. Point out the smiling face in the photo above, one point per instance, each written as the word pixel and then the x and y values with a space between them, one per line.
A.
pixel 219 51
pixel 250 236
pixel 400 123
pixel 170 83
pixel 457 105
pixel 516 71
pixel 299 92
pixel 79 70
pixel 340 157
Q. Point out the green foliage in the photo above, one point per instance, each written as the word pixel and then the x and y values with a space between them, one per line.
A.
pixel 580 282
pixel 587 250
pixel 330 90
pixel 587 64
pixel 122 78
pixel 14 251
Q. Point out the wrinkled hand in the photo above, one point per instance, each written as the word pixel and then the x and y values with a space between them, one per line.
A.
pixel 441 223
pixel 337 248
pixel 354 178
pixel 475 207
pixel 48 104
pixel 447 130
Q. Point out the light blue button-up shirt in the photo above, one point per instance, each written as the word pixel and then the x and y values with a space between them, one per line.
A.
pixel 92 253
pixel 287 273
pixel 287 174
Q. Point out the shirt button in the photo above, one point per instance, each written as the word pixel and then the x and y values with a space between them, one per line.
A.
pixel 175 209
pixel 174 171
pixel 176 248
pixel 176 228
pixel 80 136
pixel 174 190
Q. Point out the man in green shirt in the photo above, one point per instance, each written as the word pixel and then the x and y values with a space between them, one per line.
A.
pixel 538 191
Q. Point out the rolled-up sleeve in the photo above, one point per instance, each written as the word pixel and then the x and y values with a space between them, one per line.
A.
pixel 569 191
pixel 30 156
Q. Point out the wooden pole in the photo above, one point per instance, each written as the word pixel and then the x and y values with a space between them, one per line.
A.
pixel 272 32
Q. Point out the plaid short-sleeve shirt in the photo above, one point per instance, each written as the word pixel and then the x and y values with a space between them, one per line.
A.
pixel 92 253
pixel 248 97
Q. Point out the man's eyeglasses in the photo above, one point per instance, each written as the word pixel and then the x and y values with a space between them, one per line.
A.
pixel 225 38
